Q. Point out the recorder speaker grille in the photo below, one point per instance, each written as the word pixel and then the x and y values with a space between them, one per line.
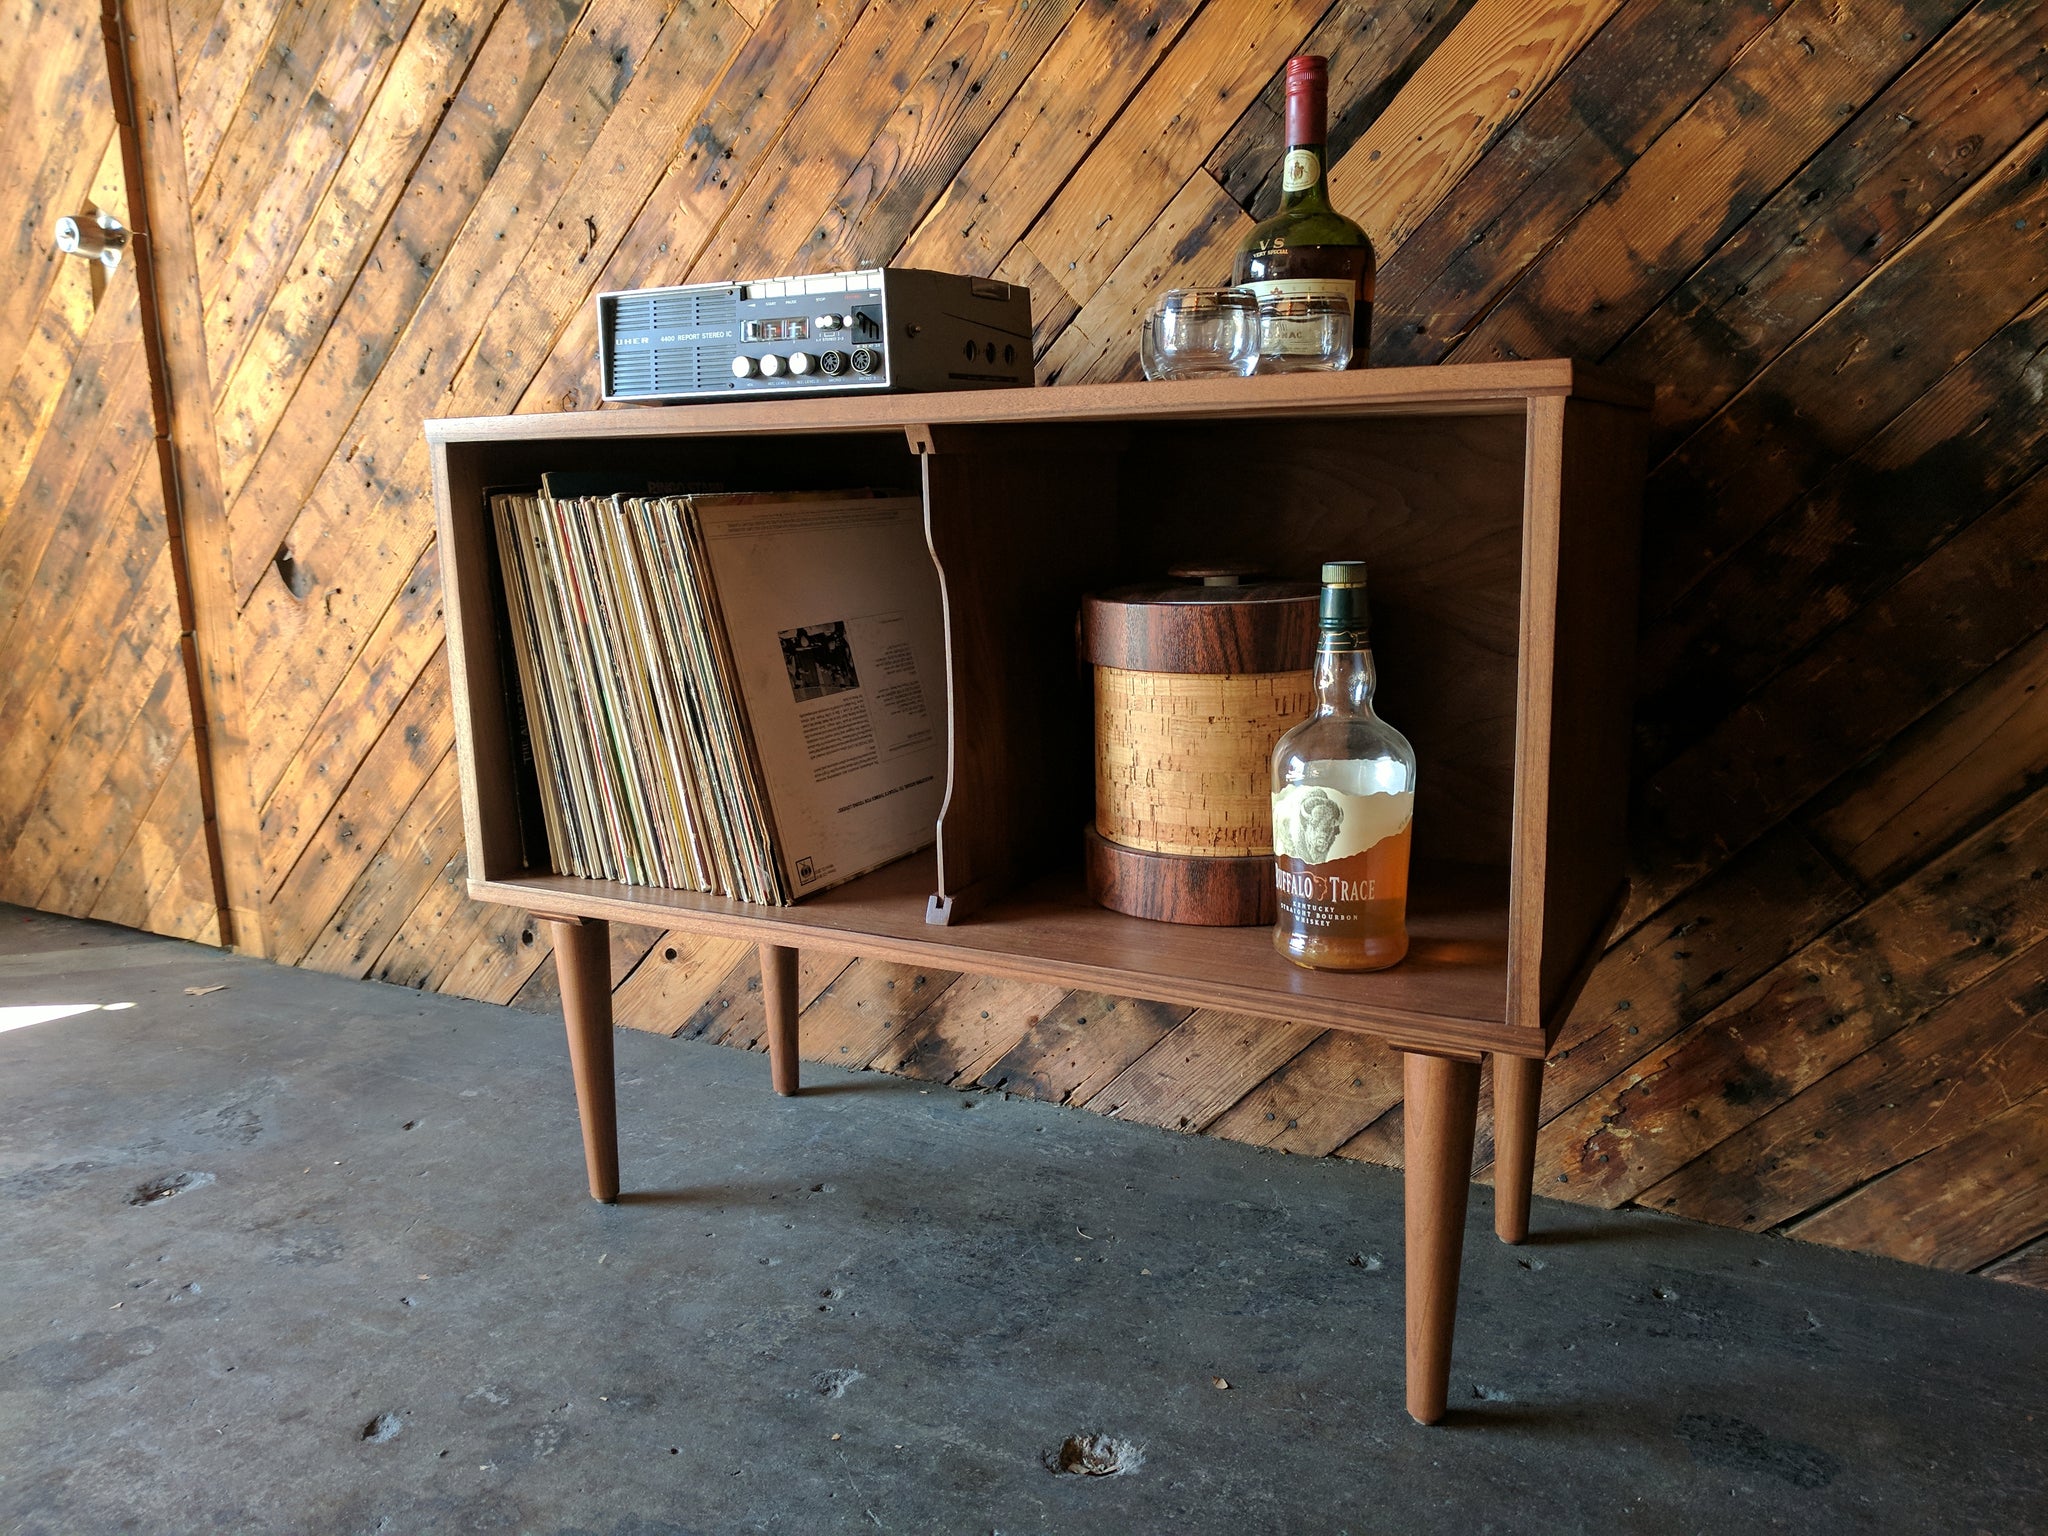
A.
pixel 667 367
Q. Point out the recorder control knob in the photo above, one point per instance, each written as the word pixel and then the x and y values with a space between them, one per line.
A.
pixel 744 367
pixel 772 366
pixel 801 363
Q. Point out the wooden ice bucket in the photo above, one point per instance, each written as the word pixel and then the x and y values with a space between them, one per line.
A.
pixel 1195 681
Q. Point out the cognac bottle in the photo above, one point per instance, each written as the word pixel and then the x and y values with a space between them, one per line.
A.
pixel 1343 802
pixel 1308 247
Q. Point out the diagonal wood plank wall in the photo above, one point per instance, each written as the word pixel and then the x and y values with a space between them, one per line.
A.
pixel 100 805
pixel 1818 227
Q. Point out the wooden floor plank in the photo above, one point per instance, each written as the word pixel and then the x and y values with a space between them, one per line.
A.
pixel 492 357
pixel 1909 951
pixel 1915 1091
pixel 1496 62
pixel 430 932
pixel 1080 1047
pixel 258 351
pixel 1313 1104
pixel 52 135
pixel 402 357
pixel 1190 244
pixel 427 834
pixel 842 140
pixel 627 946
pixel 1958 613
pixel 74 840
pixel 597 204
pixel 162 882
pixel 1372 50
pixel 1969 273
pixel 419 734
pixel 1825 558
pixel 249 42
pixel 59 752
pixel 1686 960
pixel 1960 107
pixel 486 953
pixel 1615 97
pixel 81 598
pixel 360 563
pixel 42 372
pixel 679 975
pixel 297 790
pixel 2024 1266
pixel 301 412
pixel 732 137
pixel 1205 1064
pixel 867 1009
pixel 734 1014
pixel 101 422
pixel 266 101
pixel 1047 129
pixel 93 667
pixel 973 1024
pixel 319 55
pixel 508 339
pixel 1957 1207
pixel 59 300
pixel 419 51
pixel 990 55
pixel 1219 63
pixel 1967 759
pixel 1779 102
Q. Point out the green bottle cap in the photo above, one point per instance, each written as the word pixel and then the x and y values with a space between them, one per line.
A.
pixel 1344 617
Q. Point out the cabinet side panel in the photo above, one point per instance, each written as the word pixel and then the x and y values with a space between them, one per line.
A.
pixel 1021 524
pixel 1584 533
pixel 483 745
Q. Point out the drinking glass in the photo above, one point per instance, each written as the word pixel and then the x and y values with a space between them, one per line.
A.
pixel 1300 333
pixel 1198 333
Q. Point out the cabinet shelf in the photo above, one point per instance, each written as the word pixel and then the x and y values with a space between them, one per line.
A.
pixel 1451 988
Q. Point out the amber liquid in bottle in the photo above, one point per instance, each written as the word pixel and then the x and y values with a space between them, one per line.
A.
pixel 1308 247
pixel 1343 805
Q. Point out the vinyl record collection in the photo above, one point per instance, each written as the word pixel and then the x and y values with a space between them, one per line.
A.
pixel 725 693
pixel 640 751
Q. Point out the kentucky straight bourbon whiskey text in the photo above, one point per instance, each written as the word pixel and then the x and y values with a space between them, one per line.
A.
pixel 1343 804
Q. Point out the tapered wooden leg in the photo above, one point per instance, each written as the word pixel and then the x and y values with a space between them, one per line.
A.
pixel 778 994
pixel 583 965
pixel 1517 1097
pixel 1442 1101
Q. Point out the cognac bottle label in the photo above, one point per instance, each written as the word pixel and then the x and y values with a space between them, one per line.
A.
pixel 1338 857
pixel 1302 169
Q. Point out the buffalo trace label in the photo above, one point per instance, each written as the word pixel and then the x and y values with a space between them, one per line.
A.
pixel 1335 854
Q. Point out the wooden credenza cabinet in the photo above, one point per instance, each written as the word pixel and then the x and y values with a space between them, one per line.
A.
pixel 1499 508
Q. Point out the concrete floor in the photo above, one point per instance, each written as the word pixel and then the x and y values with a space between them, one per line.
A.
pixel 380 1301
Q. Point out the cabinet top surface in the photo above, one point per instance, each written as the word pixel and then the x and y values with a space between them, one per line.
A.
pixel 1498 388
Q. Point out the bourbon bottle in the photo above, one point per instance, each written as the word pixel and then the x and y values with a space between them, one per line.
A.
pixel 1343 802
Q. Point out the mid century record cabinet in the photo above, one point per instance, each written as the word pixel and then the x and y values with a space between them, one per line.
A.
pixel 1498 506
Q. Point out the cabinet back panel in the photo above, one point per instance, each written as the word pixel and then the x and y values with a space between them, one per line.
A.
pixel 1434 506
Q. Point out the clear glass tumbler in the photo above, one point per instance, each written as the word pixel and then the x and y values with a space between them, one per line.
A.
pixel 1199 333
pixel 1301 333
